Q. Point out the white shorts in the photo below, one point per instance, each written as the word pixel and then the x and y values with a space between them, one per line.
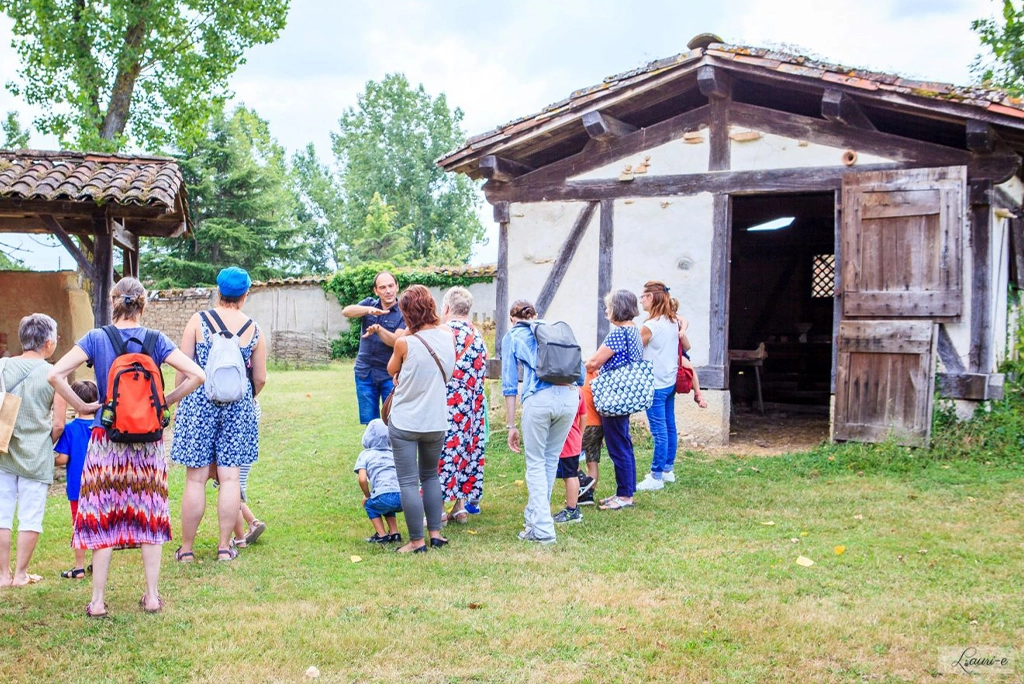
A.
pixel 28 496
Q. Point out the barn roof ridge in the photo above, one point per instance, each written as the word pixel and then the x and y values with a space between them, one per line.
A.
pixel 993 101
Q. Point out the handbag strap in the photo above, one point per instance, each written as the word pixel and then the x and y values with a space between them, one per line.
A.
pixel 433 355
pixel 470 339
pixel 3 385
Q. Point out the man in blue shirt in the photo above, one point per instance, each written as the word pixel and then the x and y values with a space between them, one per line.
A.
pixel 381 323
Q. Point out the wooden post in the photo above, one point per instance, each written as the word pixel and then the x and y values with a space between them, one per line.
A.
pixel 604 265
pixel 982 358
pixel 837 293
pixel 721 250
pixel 103 269
pixel 501 215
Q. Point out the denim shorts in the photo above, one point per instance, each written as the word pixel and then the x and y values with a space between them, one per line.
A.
pixel 382 505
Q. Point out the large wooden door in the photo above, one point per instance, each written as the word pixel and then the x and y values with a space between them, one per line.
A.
pixel 902 271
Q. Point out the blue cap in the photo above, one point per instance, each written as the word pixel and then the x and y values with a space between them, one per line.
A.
pixel 233 282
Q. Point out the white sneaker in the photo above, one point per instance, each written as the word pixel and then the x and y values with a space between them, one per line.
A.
pixel 649 484
pixel 668 476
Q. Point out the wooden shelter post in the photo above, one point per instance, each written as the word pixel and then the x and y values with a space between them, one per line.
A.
pixel 501 215
pixel 102 277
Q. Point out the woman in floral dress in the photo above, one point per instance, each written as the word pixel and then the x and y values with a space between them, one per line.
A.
pixel 461 467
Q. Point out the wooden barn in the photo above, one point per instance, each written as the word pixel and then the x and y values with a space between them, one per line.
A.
pixel 841 241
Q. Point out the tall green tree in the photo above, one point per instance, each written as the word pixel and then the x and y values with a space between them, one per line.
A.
pixel 243 205
pixel 1003 66
pixel 387 145
pixel 151 72
pixel 15 137
pixel 320 212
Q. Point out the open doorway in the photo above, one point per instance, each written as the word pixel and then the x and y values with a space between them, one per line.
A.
pixel 781 302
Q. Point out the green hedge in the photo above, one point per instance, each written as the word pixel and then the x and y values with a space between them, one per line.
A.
pixel 355 283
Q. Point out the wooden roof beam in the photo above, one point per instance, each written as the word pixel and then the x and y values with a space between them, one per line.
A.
pixel 65 239
pixel 604 128
pixel 981 137
pixel 501 170
pixel 842 108
pixel 714 82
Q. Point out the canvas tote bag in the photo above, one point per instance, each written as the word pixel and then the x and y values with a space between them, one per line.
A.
pixel 9 405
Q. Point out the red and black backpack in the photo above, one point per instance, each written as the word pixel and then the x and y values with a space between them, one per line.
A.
pixel 134 408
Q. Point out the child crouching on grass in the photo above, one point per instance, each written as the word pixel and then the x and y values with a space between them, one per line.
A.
pixel 70 450
pixel 379 482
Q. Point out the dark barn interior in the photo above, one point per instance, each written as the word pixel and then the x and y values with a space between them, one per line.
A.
pixel 781 295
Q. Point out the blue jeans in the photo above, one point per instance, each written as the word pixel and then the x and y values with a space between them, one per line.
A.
pixel 383 505
pixel 547 417
pixel 662 419
pixel 371 395
pixel 620 450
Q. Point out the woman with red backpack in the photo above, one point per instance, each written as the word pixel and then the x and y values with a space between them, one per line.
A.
pixel 123 500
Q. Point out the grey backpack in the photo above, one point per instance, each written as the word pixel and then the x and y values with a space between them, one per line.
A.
pixel 226 374
pixel 559 357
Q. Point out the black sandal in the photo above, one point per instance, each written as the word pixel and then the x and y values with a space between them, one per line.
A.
pixel 74 573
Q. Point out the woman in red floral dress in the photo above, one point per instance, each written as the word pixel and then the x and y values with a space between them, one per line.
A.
pixel 461 467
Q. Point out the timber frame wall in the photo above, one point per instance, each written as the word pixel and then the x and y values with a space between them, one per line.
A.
pixel 988 160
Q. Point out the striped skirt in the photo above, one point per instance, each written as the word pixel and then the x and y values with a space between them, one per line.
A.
pixel 123 501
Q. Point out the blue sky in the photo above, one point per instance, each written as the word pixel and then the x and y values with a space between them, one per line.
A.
pixel 498 61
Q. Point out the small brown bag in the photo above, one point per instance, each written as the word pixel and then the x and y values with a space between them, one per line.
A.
pixel 9 406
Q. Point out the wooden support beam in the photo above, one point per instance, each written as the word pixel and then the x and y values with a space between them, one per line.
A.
pixel 982 355
pixel 605 128
pixel 69 244
pixel 712 377
pixel 971 386
pixel 714 82
pixel 604 265
pixel 720 147
pixel 980 136
pixel 501 170
pixel 1017 251
pixel 805 179
pixel 564 258
pixel 947 352
pixel 122 238
pixel 842 108
pixel 501 214
pixel 721 250
pixel 501 288
pixel 130 258
pixel 103 276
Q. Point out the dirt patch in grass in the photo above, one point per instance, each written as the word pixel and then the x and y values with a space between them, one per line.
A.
pixel 774 433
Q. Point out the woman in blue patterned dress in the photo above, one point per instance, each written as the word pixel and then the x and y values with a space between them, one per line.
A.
pixel 461 468
pixel 623 345
pixel 218 439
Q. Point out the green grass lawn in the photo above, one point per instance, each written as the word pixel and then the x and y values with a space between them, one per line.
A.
pixel 698 583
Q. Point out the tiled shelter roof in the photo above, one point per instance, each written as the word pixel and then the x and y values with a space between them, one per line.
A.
pixel 82 176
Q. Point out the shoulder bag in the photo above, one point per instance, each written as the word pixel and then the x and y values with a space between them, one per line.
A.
pixel 9 406
pixel 625 390
pixel 385 409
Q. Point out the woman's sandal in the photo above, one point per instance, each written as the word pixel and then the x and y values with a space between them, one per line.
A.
pixel 239 543
pixel 89 613
pixel 616 504
pixel 74 573
pixel 461 517
pixel 159 605
pixel 186 557
pixel 226 555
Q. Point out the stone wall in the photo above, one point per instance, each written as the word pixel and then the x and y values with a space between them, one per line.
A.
pixel 298 318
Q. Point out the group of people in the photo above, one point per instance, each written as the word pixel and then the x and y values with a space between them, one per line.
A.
pixel 428 371
pixel 118 489
pixel 424 368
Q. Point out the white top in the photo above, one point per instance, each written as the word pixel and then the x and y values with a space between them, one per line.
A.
pixel 421 398
pixel 663 350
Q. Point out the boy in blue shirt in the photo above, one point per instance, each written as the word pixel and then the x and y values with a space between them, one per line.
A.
pixel 70 450
pixel 379 481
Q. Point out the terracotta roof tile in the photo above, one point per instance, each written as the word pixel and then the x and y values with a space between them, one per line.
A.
pixel 81 177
